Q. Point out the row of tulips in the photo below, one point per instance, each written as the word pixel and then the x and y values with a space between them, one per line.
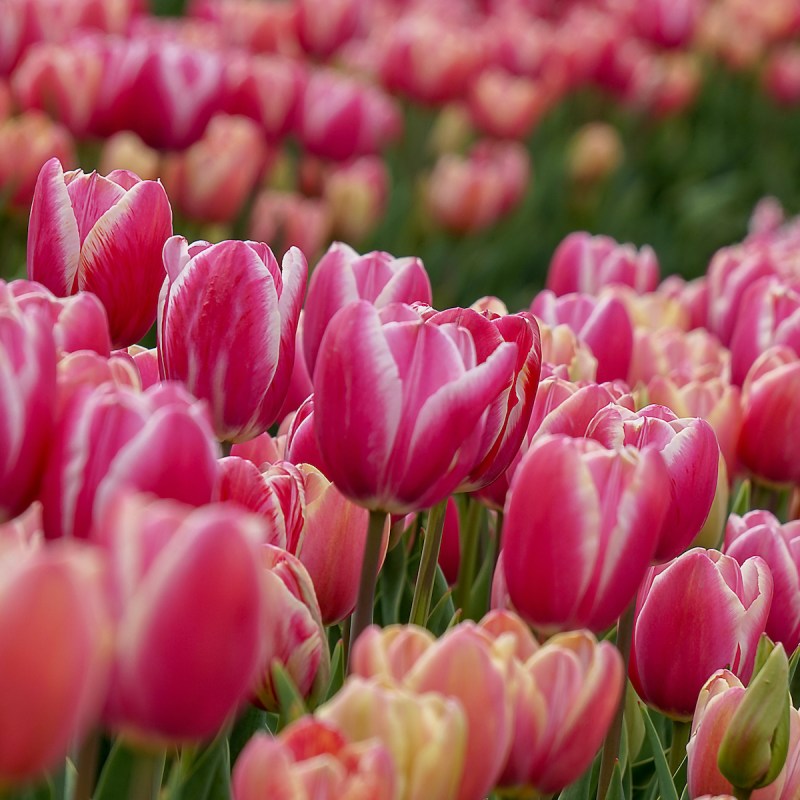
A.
pixel 217 102
pixel 190 528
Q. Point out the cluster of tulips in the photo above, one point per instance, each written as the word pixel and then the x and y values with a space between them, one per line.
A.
pixel 198 538
pixel 269 118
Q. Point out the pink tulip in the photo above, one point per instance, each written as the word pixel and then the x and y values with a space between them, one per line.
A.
pixel 126 150
pixel 357 193
pixel 104 235
pixel 26 143
pixel 79 322
pixel 565 700
pixel 187 591
pixel 694 615
pixel 565 356
pixel 507 106
pixel 111 438
pixel 691 455
pixel 719 698
pixel 27 401
pixel 292 633
pixel 759 533
pixel 341 117
pixel 715 400
pixel 300 386
pixel 314 760
pixel 267 89
pixel 323 29
pixel 668 24
pixel 603 324
pixel 212 179
pixel 227 323
pixel 62 80
pixel 302 445
pixel 450 550
pixel 769 314
pixel 263 450
pixel 430 60
pixel 585 263
pixel 84 370
pixel 781 77
pixel 691 295
pixel 146 363
pixel 342 276
pixel 771 415
pixel 56 639
pixel 578 559
pixel 394 435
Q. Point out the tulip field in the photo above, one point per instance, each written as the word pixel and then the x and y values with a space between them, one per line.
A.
pixel 399 400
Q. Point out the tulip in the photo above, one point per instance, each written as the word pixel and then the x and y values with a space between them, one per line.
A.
pixel 585 263
pixel 55 641
pixel 565 356
pixel 394 436
pixel 342 276
pixel 265 88
pixel 759 533
pixel 769 314
pixel 692 296
pixel 212 179
pixel 321 30
pixel 111 438
pixel 313 760
pixel 357 194
pixel 720 699
pixel 426 734
pixel 602 324
pixel 567 696
pixel 507 106
pixel 771 415
pixel 293 633
pixel 126 150
pixel 26 142
pixel 79 322
pixel 302 445
pixel 694 615
pixel 340 117
pixel 781 77
pixel 593 539
pixel 262 450
pixel 28 377
pixel 226 324
pixel 104 235
pixel 691 455
pixel 450 550
pixel 668 24
pixel 596 151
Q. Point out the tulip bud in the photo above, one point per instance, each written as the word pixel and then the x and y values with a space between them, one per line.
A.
pixel 753 750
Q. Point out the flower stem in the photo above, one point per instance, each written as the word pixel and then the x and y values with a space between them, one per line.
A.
pixel 677 750
pixel 362 616
pixel 423 590
pixel 470 537
pixel 611 744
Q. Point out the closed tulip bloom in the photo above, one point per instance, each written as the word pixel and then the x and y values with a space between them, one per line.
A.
pixel 718 701
pixel 760 533
pixel 103 235
pixel 55 656
pixel 292 633
pixel 426 734
pixel 79 322
pixel 226 328
pixel 564 355
pixel 771 415
pixel 509 415
pixel 314 760
pixel 567 694
pixel 357 194
pixel 450 550
pixel 342 276
pixel 187 590
pixel 578 559
pixel 395 434
pixel 109 438
pixel 321 30
pixel 28 377
pixel 603 324
pixel 769 314
pixel 507 106
pixel 694 615
pixel 585 263
pixel 691 455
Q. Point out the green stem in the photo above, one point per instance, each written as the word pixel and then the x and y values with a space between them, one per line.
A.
pixel 362 616
pixel 611 744
pixel 423 590
pixel 87 767
pixel 147 775
pixel 742 794
pixel 226 448
pixel 677 750
pixel 470 538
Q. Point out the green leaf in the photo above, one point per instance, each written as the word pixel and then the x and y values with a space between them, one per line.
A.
pixel 250 721
pixel 337 670
pixel 615 791
pixel 198 774
pixel 665 784
pixel 391 583
pixel 130 773
pixel 441 603
pixel 741 503
pixel 290 701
